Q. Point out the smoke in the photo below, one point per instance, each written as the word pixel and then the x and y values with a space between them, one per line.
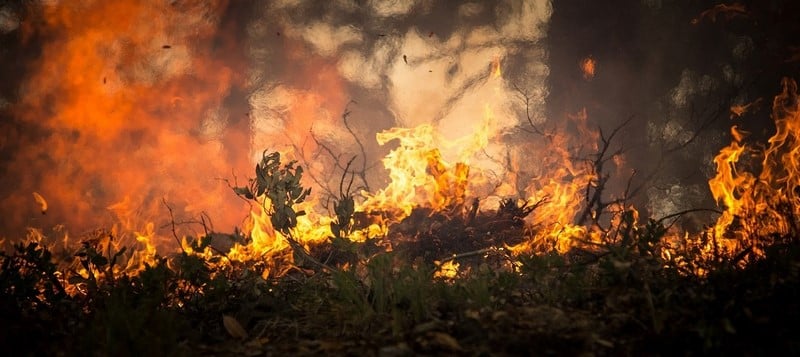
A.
pixel 9 21
pixel 123 111
pixel 391 64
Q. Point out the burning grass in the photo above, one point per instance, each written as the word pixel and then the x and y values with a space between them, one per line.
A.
pixel 628 299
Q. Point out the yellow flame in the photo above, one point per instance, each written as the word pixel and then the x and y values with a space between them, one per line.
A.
pixel 757 205
pixel 447 270
pixel 496 71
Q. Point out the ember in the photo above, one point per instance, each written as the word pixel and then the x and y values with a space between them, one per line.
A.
pixel 588 67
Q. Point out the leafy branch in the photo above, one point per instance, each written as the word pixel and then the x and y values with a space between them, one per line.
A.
pixel 277 188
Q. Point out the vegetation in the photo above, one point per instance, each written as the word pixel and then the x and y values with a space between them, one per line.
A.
pixel 623 298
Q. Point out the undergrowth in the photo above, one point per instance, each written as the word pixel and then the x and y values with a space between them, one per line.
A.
pixel 625 297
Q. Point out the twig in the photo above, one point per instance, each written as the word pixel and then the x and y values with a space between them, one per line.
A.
pixel 468 254
pixel 172 221
pixel 681 213
pixel 595 203
pixel 527 99
pixel 306 255
pixel 743 254
pixel 363 173
pixel 235 184
pixel 207 232
pixel 713 116
pixel 345 193
pixel 322 185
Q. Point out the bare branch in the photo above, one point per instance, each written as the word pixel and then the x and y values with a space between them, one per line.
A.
pixel 527 99
pixel 362 174
pixel 595 188
pixel 344 193
pixel 172 220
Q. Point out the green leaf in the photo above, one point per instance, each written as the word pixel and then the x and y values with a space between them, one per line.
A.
pixel 278 220
pixel 243 191
pixel 291 217
pixel 303 196
pixel 296 192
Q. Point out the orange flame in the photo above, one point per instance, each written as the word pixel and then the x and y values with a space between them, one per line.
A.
pixel 738 110
pixel 128 103
pixel 760 205
pixel 587 66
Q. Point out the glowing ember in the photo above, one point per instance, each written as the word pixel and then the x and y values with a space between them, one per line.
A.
pixel 41 201
pixel 587 66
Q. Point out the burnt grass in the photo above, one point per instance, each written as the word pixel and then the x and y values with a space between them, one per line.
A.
pixel 622 298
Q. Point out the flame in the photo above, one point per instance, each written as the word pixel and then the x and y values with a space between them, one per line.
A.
pixel 127 100
pixel 447 270
pixel 41 201
pixel 587 66
pixel 496 71
pixel 559 185
pixel 759 205
pixel 738 110
pixel 419 176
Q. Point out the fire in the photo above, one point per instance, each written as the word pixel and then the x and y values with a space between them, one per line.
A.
pixel 740 109
pixel 587 66
pixel 418 174
pixel 447 270
pixel 496 71
pixel 760 204
pixel 41 201
pixel 131 119
pixel 559 185
pixel 125 98
pixel 421 177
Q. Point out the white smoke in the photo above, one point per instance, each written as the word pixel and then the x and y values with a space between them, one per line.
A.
pixel 9 20
pixel 420 62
